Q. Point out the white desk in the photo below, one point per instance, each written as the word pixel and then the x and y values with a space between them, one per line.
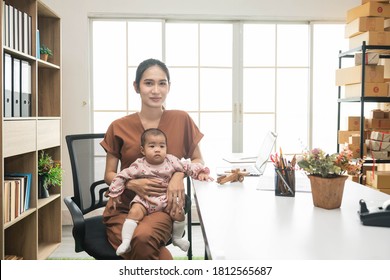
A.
pixel 240 222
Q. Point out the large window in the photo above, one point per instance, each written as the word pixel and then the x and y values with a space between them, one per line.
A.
pixel 236 79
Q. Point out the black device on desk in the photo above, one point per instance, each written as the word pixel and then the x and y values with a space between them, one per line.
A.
pixel 379 217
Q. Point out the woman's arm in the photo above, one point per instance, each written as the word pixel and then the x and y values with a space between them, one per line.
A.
pixel 111 168
pixel 197 156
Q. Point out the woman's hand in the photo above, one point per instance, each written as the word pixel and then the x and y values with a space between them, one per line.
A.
pixel 176 194
pixel 146 188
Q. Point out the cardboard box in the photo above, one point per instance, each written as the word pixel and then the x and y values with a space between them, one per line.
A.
pixel 344 135
pixel 353 123
pixel 375 145
pixel 386 64
pixel 379 38
pixel 380 136
pixel 377 114
pixel 378 154
pixel 370 89
pixel 378 123
pixel 353 75
pixel 363 24
pixel 387 24
pixel 356 150
pixel 369 9
pixel 370 58
pixel 378 179
pixel 354 140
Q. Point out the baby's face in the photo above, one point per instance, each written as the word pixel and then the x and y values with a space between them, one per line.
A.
pixel 155 149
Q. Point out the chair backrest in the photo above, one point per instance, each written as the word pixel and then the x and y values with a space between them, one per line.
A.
pixel 88 160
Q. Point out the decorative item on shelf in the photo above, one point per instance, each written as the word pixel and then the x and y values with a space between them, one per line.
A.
pixel 233 175
pixel 45 52
pixel 49 174
pixel 326 175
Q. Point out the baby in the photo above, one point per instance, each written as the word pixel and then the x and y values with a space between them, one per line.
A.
pixel 156 163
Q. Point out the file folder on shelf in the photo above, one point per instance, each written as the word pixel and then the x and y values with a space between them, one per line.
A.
pixel 16 88
pixel 26 89
pixel 7 85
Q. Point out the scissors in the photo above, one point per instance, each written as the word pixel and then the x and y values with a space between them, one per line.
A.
pixel 275 159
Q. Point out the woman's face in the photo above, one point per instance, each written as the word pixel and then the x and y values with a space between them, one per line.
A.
pixel 153 87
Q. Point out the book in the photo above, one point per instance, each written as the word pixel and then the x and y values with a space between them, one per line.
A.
pixel 27 187
pixel 12 200
pixel 7 199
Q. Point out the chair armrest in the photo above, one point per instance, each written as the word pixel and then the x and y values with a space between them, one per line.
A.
pixel 102 201
pixel 78 230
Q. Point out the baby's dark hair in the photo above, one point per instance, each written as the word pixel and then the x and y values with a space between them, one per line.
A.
pixel 146 64
pixel 151 131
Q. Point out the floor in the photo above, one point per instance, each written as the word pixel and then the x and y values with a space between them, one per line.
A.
pixel 66 249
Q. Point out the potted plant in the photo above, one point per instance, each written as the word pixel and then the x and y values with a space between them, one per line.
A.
pixel 45 52
pixel 49 174
pixel 326 174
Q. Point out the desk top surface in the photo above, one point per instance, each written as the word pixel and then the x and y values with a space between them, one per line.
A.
pixel 239 221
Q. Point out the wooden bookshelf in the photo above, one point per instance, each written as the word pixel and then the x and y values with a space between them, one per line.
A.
pixel 36 232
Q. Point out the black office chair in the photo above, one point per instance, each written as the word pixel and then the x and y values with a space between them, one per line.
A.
pixel 88 160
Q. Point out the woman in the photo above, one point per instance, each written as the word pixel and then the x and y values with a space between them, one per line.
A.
pixel 121 143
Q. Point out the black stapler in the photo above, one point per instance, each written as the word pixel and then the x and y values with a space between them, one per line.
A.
pixel 379 217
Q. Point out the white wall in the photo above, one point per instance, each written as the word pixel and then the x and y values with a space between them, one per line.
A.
pixel 75 40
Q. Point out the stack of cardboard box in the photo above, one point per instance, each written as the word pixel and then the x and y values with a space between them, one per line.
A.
pixel 369 22
pixel 378 144
pixel 366 22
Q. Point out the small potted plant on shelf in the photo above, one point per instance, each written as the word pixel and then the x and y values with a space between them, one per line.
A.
pixel 45 52
pixel 49 174
pixel 326 174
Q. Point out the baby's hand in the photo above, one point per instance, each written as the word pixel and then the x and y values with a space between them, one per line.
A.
pixel 204 177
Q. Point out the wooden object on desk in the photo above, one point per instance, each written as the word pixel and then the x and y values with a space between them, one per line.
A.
pixel 233 175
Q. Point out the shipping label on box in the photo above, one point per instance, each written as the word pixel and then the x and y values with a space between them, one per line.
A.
pixel 369 9
pixel 370 89
pixel 380 136
pixel 364 24
pixel 353 75
pixel 378 179
pixel 378 123
pixel 379 38
pixel 375 145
